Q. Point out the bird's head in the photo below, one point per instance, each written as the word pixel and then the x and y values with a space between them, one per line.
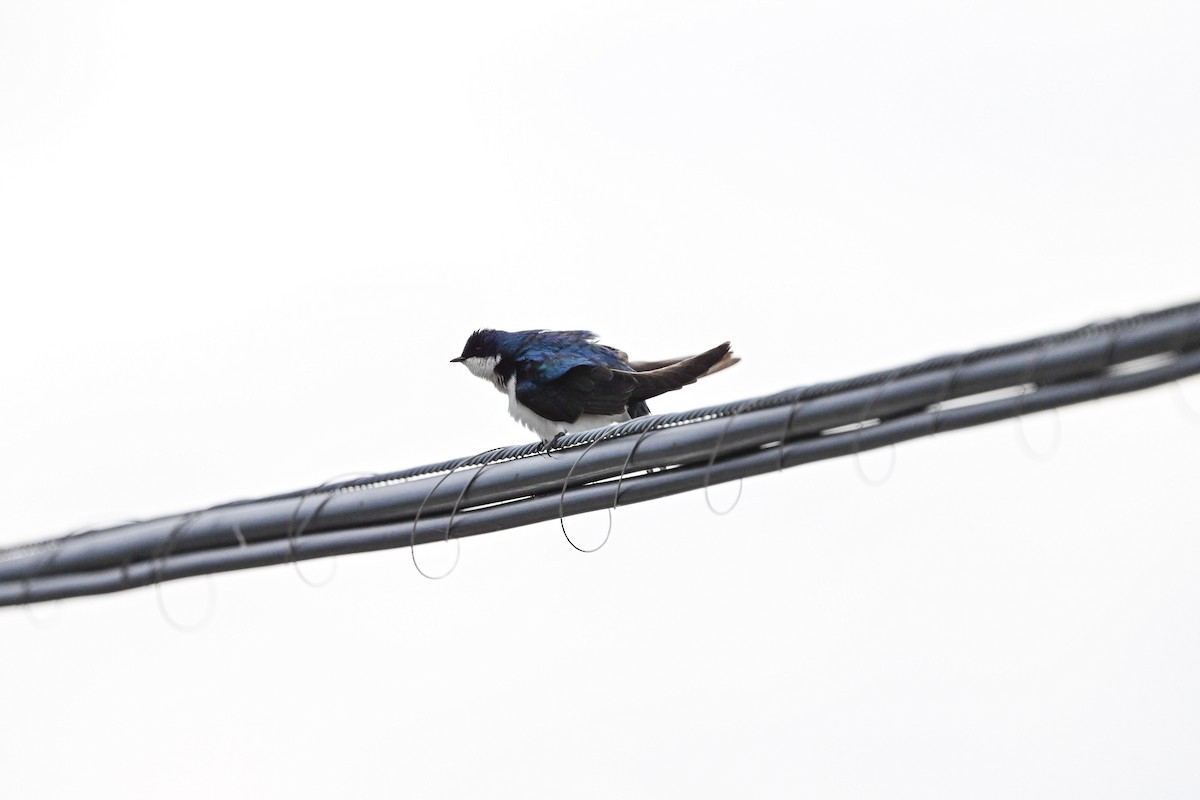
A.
pixel 481 353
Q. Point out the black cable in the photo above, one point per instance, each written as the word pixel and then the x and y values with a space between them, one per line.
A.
pixel 1064 368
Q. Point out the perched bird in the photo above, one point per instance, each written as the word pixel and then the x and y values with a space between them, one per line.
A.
pixel 559 382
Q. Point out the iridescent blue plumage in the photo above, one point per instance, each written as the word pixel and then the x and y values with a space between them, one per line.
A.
pixel 551 354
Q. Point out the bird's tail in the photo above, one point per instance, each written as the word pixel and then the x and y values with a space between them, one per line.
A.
pixel 727 360
pixel 652 378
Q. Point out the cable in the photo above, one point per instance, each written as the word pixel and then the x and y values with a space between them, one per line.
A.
pixel 689 450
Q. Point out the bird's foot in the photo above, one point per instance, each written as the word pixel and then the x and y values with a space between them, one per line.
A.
pixel 547 444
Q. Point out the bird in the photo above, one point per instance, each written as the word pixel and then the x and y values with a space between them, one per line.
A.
pixel 560 382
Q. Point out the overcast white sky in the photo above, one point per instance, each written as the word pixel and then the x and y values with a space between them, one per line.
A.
pixel 240 241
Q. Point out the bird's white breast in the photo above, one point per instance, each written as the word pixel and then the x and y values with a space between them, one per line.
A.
pixel 485 367
pixel 547 429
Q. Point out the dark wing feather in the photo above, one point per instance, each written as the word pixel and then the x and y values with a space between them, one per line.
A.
pixel 582 389
pixel 560 380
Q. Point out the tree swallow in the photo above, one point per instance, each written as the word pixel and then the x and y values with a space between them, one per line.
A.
pixel 559 382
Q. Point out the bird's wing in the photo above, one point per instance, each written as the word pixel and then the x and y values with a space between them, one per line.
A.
pixel 562 386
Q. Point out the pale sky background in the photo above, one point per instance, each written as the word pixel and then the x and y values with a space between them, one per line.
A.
pixel 240 241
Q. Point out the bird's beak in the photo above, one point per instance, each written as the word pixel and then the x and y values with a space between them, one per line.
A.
pixel 458 360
